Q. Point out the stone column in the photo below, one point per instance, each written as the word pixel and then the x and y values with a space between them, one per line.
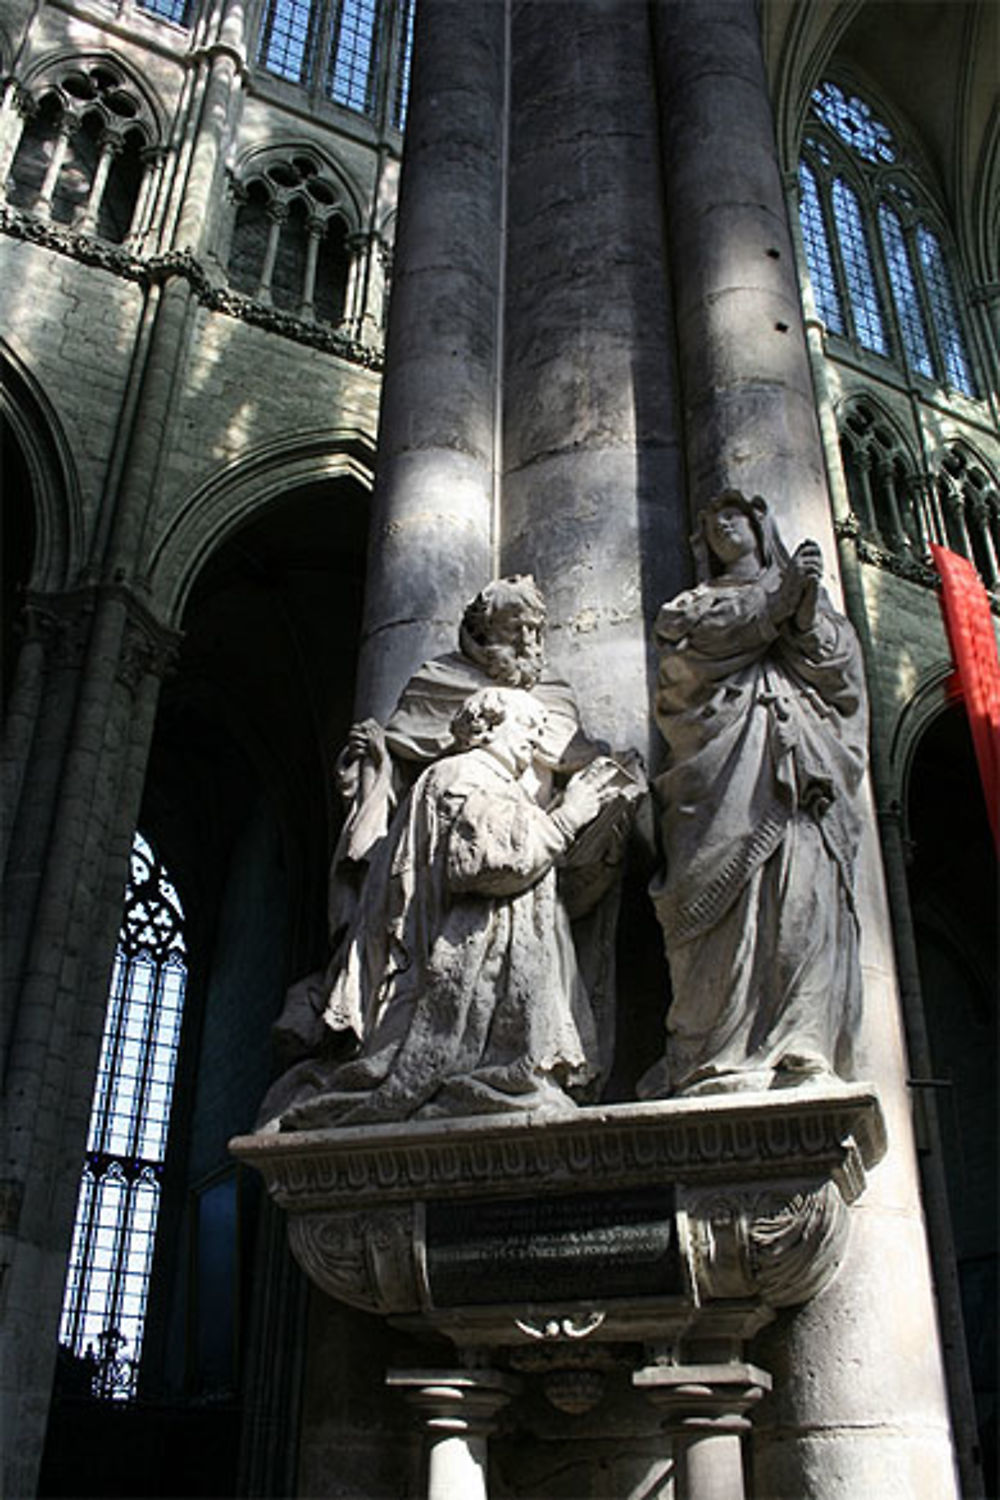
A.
pixel 430 544
pixel 706 1409
pixel 153 159
pixel 458 1409
pixel 749 407
pixel 315 230
pixel 593 486
pixel 42 205
pixel 111 145
pixel 885 476
pixel 357 250
pixel 979 507
pixel 211 124
pixel 859 1404
pixel 15 111
pixel 277 213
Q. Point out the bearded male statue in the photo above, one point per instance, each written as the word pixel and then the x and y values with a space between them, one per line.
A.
pixel 500 645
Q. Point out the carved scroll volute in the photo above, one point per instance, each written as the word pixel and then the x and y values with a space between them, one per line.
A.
pixel 779 1245
pixel 363 1259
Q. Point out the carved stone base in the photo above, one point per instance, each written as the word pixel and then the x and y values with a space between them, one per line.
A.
pixel 626 1223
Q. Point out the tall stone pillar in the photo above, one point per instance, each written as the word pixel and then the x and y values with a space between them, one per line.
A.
pixel 64 876
pixel 431 535
pixel 749 408
pixel 593 484
pixel 859 1402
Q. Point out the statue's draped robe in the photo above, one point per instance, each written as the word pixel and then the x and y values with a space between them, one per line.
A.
pixel 460 970
pixel 419 732
pixel 767 734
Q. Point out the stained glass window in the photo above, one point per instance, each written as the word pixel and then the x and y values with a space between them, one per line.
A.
pixel 286 41
pixel 852 119
pixel 352 56
pixel 904 292
pixel 861 289
pixel 944 311
pixel 105 1301
pixel 341 46
pixel 817 248
pixel 880 275
pixel 403 71
pixel 169 10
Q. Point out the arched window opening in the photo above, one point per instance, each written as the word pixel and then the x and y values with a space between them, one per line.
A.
pixel 250 237
pixel 288 281
pixel 355 52
pixel 80 158
pixel 971 507
pixel 817 247
pixel 82 155
pixel 882 484
pixel 351 74
pixel 877 260
pixel 331 273
pixel 105 1298
pixel 289 243
pixel 862 293
pixel 34 152
pixel 904 292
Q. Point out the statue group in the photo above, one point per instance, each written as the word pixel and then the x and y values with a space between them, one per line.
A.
pixel 475 885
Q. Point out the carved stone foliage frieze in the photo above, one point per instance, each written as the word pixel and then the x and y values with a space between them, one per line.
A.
pixel 121 262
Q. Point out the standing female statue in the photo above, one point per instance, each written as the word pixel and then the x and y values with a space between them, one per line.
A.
pixel 761 702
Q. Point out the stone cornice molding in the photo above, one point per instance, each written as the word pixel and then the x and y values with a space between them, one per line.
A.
pixel 154 270
pixel 620 1145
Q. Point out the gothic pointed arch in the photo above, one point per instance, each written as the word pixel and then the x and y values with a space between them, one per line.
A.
pixel 91 121
pixel 44 484
pixel 232 496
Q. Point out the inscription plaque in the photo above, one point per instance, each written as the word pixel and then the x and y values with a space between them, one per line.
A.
pixel 567 1248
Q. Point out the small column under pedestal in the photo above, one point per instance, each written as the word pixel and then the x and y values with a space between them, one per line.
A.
pixel 706 1407
pixel 458 1408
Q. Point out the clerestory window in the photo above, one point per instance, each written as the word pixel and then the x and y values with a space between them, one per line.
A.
pixel 104 1304
pixel 178 11
pixel 876 251
pixel 354 52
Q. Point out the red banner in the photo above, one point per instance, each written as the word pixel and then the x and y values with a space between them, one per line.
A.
pixel 969 623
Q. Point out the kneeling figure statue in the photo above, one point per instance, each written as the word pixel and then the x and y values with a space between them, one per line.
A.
pixel 460 953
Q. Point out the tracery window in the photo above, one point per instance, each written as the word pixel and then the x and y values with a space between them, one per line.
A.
pixel 357 52
pixel 105 1298
pixel 84 150
pixel 874 246
pixel 882 482
pixel 289 244
pixel 901 510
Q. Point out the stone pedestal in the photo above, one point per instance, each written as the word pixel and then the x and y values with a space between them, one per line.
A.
pixel 659 1236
